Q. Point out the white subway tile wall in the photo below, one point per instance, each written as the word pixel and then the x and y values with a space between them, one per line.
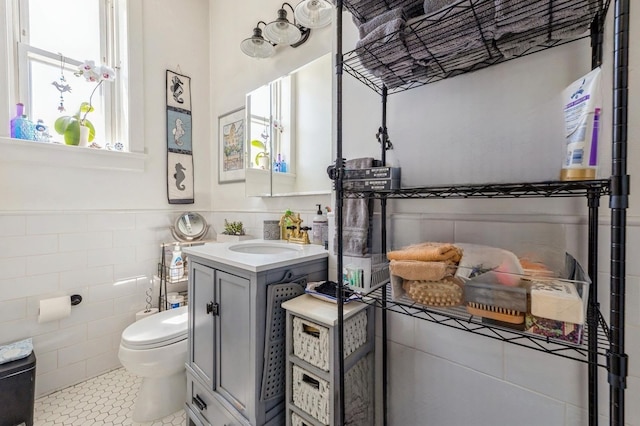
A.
pixel 114 256
pixel 109 258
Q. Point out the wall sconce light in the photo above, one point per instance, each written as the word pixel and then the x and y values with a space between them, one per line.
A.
pixel 281 31
pixel 256 46
pixel 307 14
pixel 313 13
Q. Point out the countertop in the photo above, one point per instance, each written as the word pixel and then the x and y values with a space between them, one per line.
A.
pixel 321 311
pixel 221 253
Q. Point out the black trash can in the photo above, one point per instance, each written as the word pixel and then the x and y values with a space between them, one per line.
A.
pixel 17 391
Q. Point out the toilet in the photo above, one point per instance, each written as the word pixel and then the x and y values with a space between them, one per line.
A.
pixel 155 348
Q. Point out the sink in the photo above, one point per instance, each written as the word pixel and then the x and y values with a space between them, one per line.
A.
pixel 264 248
pixel 258 255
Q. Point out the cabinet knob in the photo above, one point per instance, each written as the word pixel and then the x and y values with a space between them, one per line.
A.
pixel 213 308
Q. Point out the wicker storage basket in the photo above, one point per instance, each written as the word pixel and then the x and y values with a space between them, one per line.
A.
pixel 296 420
pixel 311 340
pixel 312 394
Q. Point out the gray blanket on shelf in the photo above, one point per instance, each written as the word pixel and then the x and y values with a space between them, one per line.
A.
pixel 365 10
pixel 383 45
pixel 511 45
pixel 517 16
pixel 451 30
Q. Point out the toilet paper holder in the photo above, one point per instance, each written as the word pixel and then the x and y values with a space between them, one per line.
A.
pixel 75 299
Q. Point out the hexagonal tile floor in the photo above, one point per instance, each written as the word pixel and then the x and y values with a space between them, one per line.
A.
pixel 106 400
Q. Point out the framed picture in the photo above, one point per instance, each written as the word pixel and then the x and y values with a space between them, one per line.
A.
pixel 231 146
pixel 178 91
pixel 180 178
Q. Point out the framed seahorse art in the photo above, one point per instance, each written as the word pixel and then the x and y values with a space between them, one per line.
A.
pixel 179 144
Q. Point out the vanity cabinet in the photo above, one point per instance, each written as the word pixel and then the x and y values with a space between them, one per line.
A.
pixel 231 312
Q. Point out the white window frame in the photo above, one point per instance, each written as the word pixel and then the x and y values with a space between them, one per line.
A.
pixel 128 93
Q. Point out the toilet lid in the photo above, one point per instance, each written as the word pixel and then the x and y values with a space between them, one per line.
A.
pixel 157 330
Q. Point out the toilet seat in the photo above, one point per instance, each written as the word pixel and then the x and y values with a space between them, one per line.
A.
pixel 158 330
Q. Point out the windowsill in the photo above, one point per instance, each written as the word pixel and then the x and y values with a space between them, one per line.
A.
pixel 58 155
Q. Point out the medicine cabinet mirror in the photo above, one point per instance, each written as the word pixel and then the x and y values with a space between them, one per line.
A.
pixel 289 133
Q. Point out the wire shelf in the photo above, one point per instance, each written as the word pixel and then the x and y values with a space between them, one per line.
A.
pixel 466 36
pixel 459 319
pixel 552 189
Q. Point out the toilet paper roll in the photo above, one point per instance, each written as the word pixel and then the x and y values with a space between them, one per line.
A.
pixel 146 313
pixel 54 309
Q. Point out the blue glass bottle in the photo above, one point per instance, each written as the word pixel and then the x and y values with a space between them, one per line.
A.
pixel 21 127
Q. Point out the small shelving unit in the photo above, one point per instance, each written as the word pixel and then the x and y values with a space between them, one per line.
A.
pixel 164 275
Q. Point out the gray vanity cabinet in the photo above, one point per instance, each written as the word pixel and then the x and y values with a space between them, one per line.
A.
pixel 220 309
pixel 228 315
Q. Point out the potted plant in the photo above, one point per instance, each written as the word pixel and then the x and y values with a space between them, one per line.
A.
pixel 233 231
pixel 77 129
pixel 262 157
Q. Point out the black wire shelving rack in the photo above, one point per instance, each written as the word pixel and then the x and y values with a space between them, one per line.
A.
pixel 603 345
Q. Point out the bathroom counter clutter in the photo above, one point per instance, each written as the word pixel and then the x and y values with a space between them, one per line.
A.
pixel 258 255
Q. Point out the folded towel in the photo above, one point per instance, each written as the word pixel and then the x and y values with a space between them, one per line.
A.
pixel 517 16
pixel 355 217
pixel 511 45
pixel 430 6
pixel 421 271
pixel 365 10
pixel 451 29
pixel 406 73
pixel 428 252
pixel 383 45
pixel 366 28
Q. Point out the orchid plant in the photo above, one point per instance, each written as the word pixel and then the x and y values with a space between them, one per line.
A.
pixel 69 126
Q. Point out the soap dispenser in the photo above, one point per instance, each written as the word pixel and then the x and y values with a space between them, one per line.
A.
pixel 176 267
pixel 319 227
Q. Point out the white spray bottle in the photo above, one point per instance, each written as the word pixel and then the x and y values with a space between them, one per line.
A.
pixel 176 267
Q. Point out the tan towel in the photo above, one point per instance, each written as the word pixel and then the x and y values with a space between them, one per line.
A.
pixel 421 271
pixel 428 252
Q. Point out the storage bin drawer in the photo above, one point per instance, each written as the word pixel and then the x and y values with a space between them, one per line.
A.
pixel 311 340
pixel 311 394
pixel 296 420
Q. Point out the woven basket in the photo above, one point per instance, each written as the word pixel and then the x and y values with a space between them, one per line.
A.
pixel 296 420
pixel 311 340
pixel 311 394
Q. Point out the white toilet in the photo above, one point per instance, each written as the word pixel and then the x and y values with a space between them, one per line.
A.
pixel 155 348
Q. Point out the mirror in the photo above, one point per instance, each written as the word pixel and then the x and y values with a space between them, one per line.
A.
pixel 289 133
pixel 189 226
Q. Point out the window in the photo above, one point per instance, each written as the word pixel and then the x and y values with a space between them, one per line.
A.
pixel 51 39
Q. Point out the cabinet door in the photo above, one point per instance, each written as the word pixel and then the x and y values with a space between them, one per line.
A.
pixel 201 301
pixel 234 369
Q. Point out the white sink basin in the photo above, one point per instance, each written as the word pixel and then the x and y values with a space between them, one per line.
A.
pixel 264 248
pixel 258 255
